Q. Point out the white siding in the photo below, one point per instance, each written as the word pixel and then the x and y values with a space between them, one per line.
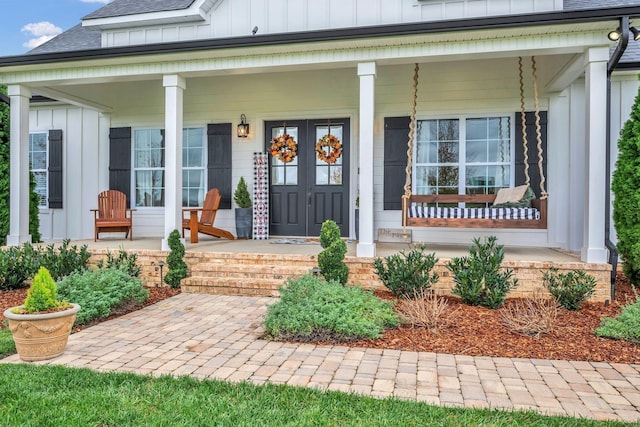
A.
pixel 238 17
pixel 81 161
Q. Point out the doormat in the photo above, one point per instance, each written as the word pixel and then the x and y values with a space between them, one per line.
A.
pixel 295 241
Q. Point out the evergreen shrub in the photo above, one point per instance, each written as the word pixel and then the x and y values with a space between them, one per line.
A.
pixel 331 259
pixel 408 275
pixel 479 278
pixel 569 289
pixel 42 294
pixel 311 309
pixel 175 262
pixel 626 188
pixel 626 326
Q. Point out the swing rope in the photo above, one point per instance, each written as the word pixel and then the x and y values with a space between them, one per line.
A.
pixel 412 132
pixel 534 71
pixel 523 123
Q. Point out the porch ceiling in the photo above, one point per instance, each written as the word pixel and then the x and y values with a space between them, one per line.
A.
pixel 434 47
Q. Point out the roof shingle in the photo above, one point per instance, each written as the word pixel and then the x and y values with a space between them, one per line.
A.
pixel 129 7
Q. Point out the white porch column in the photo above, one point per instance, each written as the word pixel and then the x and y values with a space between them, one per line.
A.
pixel 593 249
pixel 367 73
pixel 19 173
pixel 173 119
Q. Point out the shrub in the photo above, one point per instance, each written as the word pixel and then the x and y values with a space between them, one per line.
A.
pixel 17 264
pixel 478 278
pixel 311 309
pixel 99 292
pixel 569 289
pixel 124 261
pixel 42 294
pixel 331 259
pixel 626 204
pixel 4 169
pixel 65 259
pixel 34 210
pixel 534 317
pixel 241 196
pixel 626 326
pixel 425 310
pixel 177 266
pixel 407 275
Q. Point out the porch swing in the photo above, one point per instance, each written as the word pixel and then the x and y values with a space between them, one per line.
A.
pixel 418 210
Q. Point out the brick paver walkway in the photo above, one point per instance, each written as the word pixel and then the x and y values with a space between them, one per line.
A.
pixel 217 337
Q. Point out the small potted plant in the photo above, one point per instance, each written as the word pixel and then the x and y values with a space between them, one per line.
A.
pixel 244 211
pixel 41 326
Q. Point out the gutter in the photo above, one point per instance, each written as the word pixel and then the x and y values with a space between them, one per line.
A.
pixel 418 28
pixel 611 66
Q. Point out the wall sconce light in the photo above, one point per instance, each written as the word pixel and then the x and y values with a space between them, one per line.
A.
pixel 243 127
pixel 614 35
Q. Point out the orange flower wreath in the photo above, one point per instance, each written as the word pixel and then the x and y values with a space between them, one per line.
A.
pixel 335 148
pixel 284 148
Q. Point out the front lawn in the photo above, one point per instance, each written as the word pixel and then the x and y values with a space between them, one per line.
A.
pixel 59 396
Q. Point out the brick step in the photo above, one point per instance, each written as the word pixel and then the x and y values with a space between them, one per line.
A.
pixel 250 271
pixel 232 286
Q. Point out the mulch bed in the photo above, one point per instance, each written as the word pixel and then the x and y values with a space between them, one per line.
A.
pixel 474 331
pixel 478 331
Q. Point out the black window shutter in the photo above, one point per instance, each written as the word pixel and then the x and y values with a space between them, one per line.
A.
pixel 55 169
pixel 120 161
pixel 396 136
pixel 534 171
pixel 219 161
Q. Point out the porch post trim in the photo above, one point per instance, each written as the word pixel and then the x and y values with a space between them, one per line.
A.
pixel 593 249
pixel 19 166
pixel 367 74
pixel 174 109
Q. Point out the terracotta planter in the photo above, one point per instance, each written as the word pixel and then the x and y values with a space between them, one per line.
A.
pixel 41 336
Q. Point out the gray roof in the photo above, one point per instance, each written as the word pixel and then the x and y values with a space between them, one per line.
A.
pixel 598 4
pixel 75 38
pixel 132 7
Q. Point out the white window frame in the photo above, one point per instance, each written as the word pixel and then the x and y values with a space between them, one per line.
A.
pixel 202 168
pixel 44 196
pixel 134 169
pixel 462 145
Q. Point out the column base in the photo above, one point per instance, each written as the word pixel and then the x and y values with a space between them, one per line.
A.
pixel 595 255
pixel 15 240
pixel 366 250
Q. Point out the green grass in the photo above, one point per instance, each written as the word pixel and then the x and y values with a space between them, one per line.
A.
pixel 7 346
pixel 53 395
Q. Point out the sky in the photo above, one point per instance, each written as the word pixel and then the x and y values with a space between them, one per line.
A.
pixel 26 23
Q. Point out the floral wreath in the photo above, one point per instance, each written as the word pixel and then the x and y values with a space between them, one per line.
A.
pixel 284 148
pixel 334 145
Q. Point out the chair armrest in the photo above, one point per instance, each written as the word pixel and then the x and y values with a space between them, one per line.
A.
pixel 194 210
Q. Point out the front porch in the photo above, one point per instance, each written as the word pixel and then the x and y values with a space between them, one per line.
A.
pixel 259 267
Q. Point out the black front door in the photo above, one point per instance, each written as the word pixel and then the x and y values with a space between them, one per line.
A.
pixel 308 190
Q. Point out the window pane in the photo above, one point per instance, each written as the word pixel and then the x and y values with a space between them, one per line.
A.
pixel 39 160
pixel 148 148
pixel 193 147
pixel 292 175
pixel 277 175
pixel 322 176
pixel 335 175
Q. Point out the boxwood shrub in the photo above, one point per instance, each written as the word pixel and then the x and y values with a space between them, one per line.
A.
pixel 311 309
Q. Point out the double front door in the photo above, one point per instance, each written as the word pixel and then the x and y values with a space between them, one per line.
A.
pixel 311 187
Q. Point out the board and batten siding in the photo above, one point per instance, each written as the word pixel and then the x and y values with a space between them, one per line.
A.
pixel 239 17
pixel 81 167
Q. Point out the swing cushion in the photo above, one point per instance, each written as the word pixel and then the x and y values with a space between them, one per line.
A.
pixel 417 211
pixel 518 197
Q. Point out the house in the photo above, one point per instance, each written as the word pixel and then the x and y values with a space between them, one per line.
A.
pixel 145 97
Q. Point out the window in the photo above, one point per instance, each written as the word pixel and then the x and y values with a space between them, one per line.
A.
pixel 149 163
pixel 463 155
pixel 193 159
pixel 38 156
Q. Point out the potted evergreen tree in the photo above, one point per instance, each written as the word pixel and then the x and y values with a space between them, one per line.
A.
pixel 41 326
pixel 244 211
